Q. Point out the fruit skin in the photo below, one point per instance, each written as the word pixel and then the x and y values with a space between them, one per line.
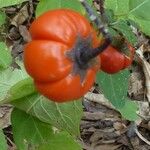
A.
pixel 112 61
pixel 53 34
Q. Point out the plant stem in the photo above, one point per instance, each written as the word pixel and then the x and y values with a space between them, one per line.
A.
pixel 87 55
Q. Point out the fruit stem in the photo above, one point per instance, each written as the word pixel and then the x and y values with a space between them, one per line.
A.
pixel 86 56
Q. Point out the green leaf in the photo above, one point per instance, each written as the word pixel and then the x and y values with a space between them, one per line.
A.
pixel 21 89
pixel 114 87
pixel 109 14
pixel 144 25
pixel 136 10
pixel 28 130
pixel 65 116
pixel 45 5
pixel 6 3
pixel 2 18
pixel 115 90
pixel 140 9
pixel 61 141
pixel 119 7
pixel 122 27
pixel 128 111
pixel 3 143
pixel 31 133
pixel 8 78
pixel 133 23
pixel 5 56
pixel 113 32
